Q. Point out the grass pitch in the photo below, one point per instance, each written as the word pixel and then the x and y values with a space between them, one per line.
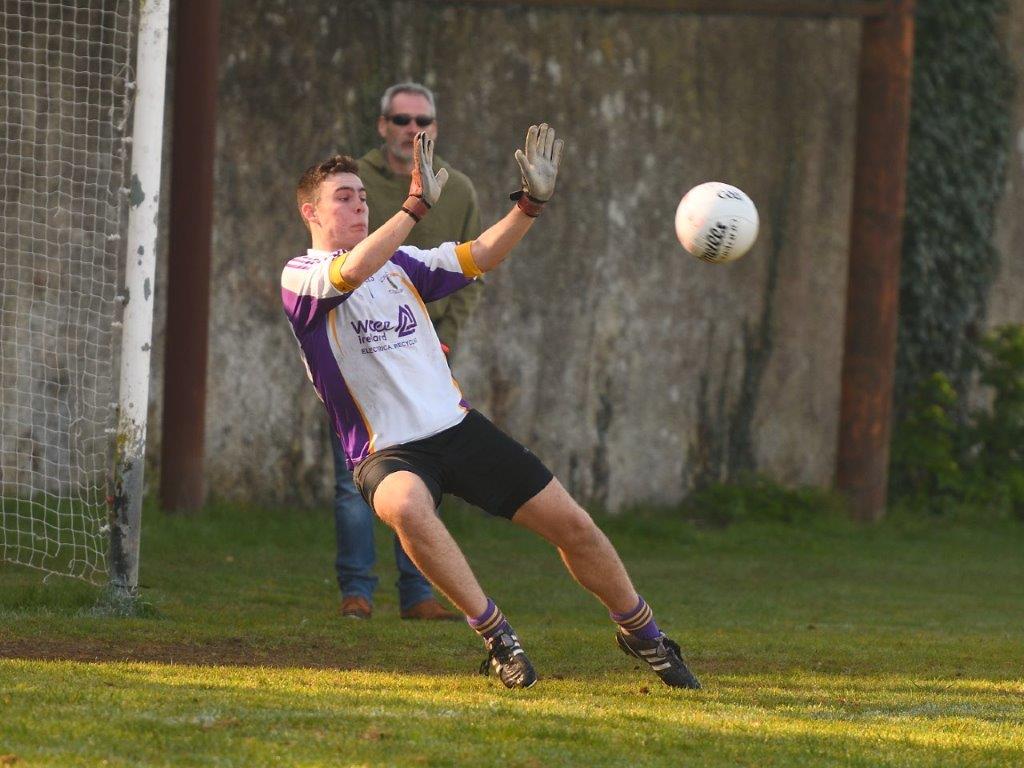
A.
pixel 821 644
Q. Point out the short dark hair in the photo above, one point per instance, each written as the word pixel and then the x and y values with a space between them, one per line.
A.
pixel 308 189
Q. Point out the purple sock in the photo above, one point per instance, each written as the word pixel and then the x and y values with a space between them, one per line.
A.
pixel 490 623
pixel 639 622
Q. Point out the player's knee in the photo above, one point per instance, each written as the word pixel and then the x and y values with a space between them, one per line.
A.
pixel 579 530
pixel 411 515
pixel 401 499
pixel 401 510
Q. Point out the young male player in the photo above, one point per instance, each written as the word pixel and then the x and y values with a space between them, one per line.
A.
pixel 405 110
pixel 356 303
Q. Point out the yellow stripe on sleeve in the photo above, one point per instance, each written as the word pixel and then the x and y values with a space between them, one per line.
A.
pixel 334 273
pixel 465 253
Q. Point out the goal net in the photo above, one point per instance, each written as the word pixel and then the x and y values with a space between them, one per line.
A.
pixel 64 106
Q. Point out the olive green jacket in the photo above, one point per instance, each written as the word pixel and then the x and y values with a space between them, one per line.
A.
pixel 455 217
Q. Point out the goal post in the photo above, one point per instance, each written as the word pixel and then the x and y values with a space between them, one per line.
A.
pixel 125 500
pixel 77 232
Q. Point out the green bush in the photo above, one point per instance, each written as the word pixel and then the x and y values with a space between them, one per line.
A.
pixel 939 462
pixel 997 433
pixel 926 471
pixel 758 499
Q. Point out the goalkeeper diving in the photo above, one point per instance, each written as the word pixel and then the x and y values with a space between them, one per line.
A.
pixel 356 303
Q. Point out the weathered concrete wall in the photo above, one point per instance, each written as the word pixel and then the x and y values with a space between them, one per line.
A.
pixel 633 369
pixel 1006 303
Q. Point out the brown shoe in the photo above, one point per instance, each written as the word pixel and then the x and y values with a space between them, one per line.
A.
pixel 355 607
pixel 430 610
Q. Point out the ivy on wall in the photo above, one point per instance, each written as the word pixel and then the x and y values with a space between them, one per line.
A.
pixel 960 125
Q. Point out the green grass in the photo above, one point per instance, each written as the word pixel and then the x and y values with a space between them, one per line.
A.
pixel 822 643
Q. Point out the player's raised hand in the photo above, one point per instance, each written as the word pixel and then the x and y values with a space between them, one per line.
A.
pixel 539 163
pixel 425 183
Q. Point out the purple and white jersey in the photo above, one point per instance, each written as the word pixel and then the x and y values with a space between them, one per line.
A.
pixel 372 353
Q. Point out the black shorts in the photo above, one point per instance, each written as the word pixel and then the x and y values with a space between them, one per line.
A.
pixel 474 460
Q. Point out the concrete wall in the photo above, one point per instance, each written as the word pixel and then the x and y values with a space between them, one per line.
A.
pixel 633 369
pixel 1006 303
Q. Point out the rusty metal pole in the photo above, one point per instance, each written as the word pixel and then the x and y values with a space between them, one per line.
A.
pixel 876 236
pixel 188 284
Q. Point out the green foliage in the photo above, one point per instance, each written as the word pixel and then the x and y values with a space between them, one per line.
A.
pixel 939 462
pixel 998 432
pixel 960 130
pixel 758 499
pixel 926 471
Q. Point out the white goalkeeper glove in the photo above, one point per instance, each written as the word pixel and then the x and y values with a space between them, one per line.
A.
pixel 425 187
pixel 539 166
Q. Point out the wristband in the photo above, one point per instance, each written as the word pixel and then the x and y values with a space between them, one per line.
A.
pixel 416 207
pixel 531 206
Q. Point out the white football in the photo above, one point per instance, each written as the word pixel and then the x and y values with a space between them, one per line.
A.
pixel 716 222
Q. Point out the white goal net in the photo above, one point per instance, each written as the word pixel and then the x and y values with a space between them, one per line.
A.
pixel 64 105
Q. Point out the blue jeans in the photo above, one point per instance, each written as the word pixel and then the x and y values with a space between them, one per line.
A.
pixel 353 526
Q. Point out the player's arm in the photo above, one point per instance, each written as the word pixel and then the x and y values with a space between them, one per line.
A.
pixel 371 254
pixel 539 166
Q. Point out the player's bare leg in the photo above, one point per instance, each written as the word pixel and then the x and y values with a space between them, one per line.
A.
pixel 404 503
pixel 594 563
pixel 585 550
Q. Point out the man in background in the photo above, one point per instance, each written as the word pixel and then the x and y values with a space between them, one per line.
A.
pixel 405 110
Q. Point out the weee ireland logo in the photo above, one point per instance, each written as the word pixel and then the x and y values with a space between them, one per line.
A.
pixel 369 331
pixel 406 321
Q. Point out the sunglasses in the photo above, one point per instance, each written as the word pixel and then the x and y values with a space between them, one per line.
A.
pixel 421 120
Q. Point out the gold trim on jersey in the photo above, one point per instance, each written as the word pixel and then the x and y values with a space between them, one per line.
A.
pixel 415 292
pixel 464 252
pixel 334 273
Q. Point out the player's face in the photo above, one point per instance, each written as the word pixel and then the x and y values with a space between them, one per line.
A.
pixel 341 211
pixel 398 138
